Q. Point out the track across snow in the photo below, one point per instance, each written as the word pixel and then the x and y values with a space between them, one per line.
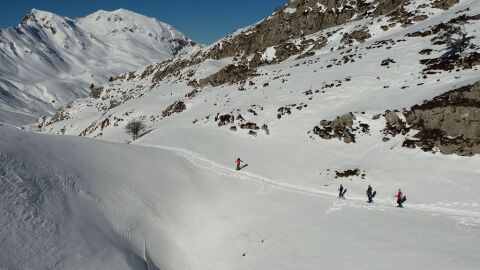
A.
pixel 203 162
pixel 75 203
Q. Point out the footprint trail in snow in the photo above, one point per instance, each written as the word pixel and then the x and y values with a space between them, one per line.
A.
pixel 201 161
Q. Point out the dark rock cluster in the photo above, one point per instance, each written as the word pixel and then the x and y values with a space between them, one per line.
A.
pixel 341 128
pixel 176 107
pixel 449 123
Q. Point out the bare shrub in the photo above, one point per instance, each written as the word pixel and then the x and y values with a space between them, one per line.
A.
pixel 135 127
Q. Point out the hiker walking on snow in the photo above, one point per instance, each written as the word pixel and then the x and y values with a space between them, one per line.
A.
pixel 238 162
pixel 370 194
pixel 341 192
pixel 400 198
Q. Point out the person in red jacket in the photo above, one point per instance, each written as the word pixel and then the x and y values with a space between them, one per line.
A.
pixel 400 198
pixel 239 162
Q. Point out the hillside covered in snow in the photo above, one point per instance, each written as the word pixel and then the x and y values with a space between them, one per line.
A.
pixel 321 93
pixel 48 60
pixel 311 71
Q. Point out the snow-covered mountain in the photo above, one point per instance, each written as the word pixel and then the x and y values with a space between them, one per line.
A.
pixel 295 72
pixel 320 93
pixel 48 60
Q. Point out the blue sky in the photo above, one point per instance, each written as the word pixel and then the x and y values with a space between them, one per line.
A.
pixel 204 21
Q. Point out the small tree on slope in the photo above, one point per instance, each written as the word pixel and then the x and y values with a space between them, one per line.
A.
pixel 457 40
pixel 135 127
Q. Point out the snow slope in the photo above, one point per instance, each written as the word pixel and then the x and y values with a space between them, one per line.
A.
pixel 175 190
pixel 48 60
pixel 97 205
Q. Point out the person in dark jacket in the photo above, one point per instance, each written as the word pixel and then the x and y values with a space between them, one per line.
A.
pixel 370 194
pixel 341 192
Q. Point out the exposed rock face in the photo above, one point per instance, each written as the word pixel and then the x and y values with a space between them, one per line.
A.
pixel 283 110
pixel 296 19
pixel 60 115
pixel 455 56
pixel 444 4
pixel 176 107
pixel 299 18
pixel 249 125
pixel 225 119
pixel 287 109
pixel 230 74
pixel 449 122
pixel 347 173
pixel 350 173
pixel 282 52
pixel 341 128
pixel 394 125
pixel 359 35
pixel 387 62
pixel 439 64
pixel 96 92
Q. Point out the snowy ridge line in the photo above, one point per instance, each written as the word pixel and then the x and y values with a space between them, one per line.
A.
pixel 203 162
pixel 49 61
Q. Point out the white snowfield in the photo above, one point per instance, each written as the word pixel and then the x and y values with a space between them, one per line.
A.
pixel 173 200
pixel 74 203
pixel 48 60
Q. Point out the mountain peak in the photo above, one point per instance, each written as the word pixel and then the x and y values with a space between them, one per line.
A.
pixel 122 21
pixel 42 14
pixel 62 57
pixel 36 15
pixel 117 15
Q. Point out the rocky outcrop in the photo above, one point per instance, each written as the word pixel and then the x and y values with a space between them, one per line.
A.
pixel 249 125
pixel 230 74
pixel 287 109
pixel 233 121
pixel 341 128
pixel 434 65
pixel 387 62
pixel 449 123
pixel 350 173
pixel 176 107
pixel 357 35
pixel 295 20
pixel 394 125
pixel 225 119
pixel 96 92
pixel 282 52
pixel 444 4
pixel 300 18
pixel 460 52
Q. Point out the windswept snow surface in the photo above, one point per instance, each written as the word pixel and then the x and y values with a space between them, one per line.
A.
pixel 76 203
pixel 49 60
pixel 171 199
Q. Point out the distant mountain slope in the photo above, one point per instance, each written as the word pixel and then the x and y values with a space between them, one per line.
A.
pixel 48 60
